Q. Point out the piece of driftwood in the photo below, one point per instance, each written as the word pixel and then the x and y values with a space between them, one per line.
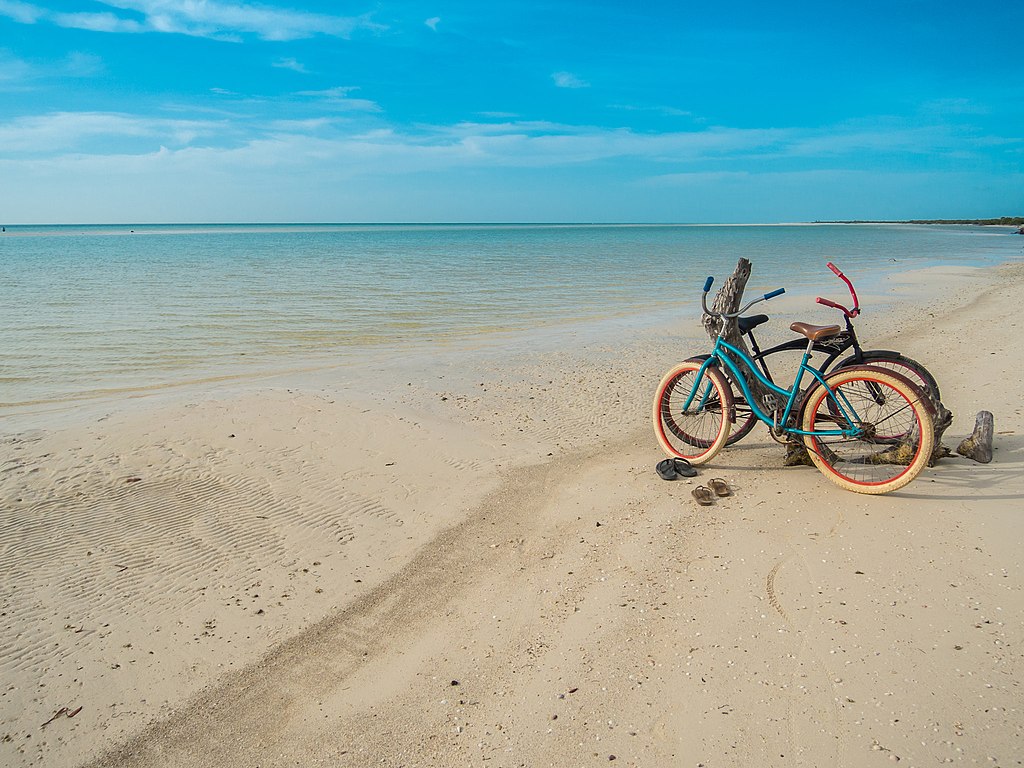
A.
pixel 942 417
pixel 797 456
pixel 979 445
pixel 728 300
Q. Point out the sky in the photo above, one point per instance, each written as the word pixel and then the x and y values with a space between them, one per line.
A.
pixel 166 111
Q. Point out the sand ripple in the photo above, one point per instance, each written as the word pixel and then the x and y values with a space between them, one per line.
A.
pixel 141 560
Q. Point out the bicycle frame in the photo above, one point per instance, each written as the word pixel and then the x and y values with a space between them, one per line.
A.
pixel 721 354
pixel 836 345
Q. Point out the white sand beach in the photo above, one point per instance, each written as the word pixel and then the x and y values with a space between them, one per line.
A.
pixel 481 567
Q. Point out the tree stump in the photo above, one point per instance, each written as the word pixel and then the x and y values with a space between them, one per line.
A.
pixel 979 445
pixel 729 299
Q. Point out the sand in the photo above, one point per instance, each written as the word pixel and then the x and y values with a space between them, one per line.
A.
pixel 479 566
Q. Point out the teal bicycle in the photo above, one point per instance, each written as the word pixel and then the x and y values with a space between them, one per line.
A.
pixel 868 429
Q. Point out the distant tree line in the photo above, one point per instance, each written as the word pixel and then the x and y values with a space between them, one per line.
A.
pixel 1005 221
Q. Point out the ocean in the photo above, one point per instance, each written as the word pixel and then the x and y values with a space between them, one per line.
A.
pixel 87 311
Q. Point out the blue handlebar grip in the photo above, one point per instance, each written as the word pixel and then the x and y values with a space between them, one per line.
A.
pixel 773 294
pixel 707 284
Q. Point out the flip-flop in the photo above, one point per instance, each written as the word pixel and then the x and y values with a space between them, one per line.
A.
pixel 703 496
pixel 666 469
pixel 683 467
pixel 719 486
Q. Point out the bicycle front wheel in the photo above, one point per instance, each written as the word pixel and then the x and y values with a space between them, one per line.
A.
pixel 879 404
pixel 744 418
pixel 699 432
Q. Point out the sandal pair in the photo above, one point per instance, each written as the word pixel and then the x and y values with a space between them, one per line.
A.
pixel 673 469
pixel 705 495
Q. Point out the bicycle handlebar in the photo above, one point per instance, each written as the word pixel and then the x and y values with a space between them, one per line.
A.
pixel 779 291
pixel 853 293
pixel 741 310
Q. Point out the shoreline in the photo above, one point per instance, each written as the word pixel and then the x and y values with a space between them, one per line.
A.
pixel 257 553
pixel 357 368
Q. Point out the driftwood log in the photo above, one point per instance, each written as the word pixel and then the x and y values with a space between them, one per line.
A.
pixel 729 299
pixel 979 445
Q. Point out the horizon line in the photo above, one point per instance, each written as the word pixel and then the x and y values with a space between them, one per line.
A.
pixel 995 221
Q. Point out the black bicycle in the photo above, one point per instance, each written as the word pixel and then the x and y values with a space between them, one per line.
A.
pixel 833 348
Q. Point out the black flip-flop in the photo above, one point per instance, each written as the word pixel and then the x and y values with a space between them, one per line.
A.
pixel 684 468
pixel 666 469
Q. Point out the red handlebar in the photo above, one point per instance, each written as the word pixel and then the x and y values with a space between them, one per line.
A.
pixel 856 304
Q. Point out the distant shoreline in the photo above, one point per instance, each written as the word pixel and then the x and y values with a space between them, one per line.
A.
pixel 1005 221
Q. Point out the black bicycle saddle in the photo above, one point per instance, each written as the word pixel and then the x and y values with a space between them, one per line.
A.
pixel 747 324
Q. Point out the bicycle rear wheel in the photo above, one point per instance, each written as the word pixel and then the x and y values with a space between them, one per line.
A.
pixel 901 364
pixel 699 432
pixel 910 369
pixel 868 462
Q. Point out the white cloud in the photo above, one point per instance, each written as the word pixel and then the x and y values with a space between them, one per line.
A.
pixel 490 144
pixel 96 22
pixel 211 17
pixel 156 168
pixel 433 22
pixel 78 64
pixel 568 80
pixel 23 13
pixel 290 63
pixel 63 132
pixel 20 75
pixel 339 98
pixel 310 125
pixel 663 110
pixel 14 70
pixel 876 139
pixel 199 18
pixel 328 145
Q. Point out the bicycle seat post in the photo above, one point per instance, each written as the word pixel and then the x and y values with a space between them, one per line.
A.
pixel 753 342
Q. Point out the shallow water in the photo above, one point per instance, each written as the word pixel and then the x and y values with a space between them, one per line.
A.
pixel 91 309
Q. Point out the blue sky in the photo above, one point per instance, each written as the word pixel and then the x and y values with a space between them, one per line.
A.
pixel 430 110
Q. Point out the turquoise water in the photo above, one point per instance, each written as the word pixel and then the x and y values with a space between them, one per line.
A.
pixel 88 309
